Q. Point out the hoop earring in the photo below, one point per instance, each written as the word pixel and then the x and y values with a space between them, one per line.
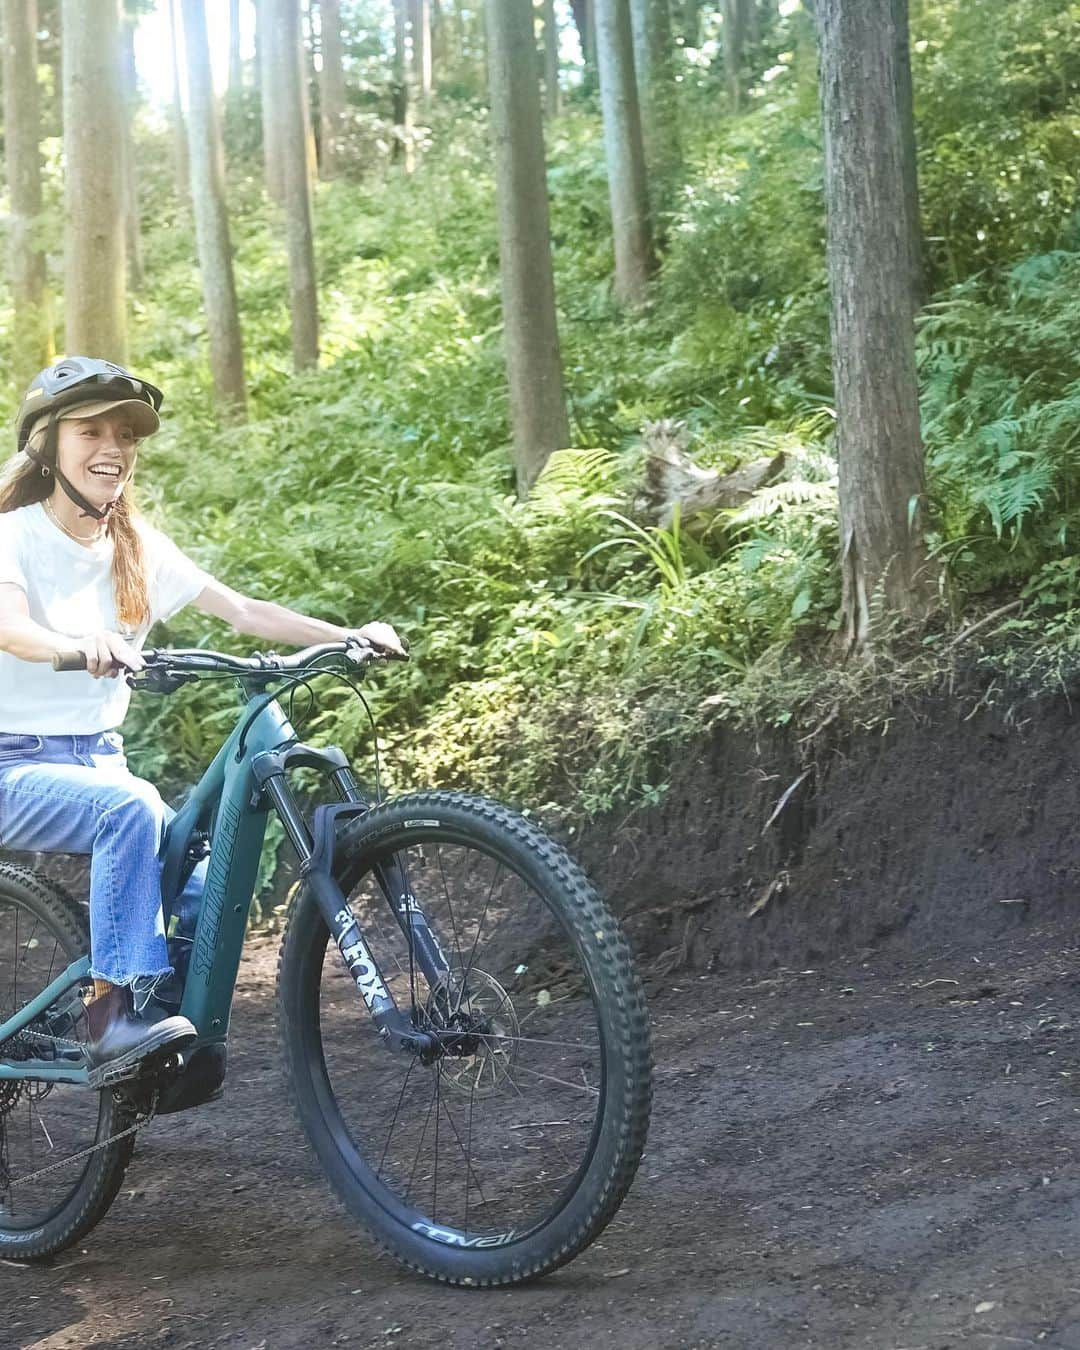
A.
pixel 45 471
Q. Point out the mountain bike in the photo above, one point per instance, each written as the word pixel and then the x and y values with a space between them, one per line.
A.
pixel 465 1037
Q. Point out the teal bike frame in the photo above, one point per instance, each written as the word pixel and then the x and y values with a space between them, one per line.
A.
pixel 230 803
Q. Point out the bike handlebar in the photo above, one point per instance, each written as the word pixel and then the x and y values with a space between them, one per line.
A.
pixel 195 661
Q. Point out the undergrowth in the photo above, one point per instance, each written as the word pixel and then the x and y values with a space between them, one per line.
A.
pixel 563 648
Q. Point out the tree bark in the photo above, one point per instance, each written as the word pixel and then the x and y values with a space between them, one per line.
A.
pixel 878 438
pixel 290 135
pixel 657 94
pixel 331 88
pixel 735 14
pixel 533 362
pixel 179 133
pixel 624 151
pixel 691 22
pixel 905 100
pixel 211 216
pixel 552 100
pixel 399 90
pixel 132 222
pixel 32 346
pixel 95 291
pixel 236 69
pixel 422 47
pixel 269 70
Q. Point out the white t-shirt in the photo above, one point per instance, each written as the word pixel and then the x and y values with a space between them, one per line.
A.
pixel 70 590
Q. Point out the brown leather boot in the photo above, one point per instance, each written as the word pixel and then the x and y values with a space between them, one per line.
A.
pixel 118 1040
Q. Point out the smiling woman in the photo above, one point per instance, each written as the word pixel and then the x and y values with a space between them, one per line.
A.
pixel 80 570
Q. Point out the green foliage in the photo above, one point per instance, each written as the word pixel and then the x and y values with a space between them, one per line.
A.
pixel 563 646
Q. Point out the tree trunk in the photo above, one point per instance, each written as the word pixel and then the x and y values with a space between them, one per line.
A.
pixel 580 11
pixel 657 94
pixel 422 47
pixel 179 133
pixel 878 439
pixel 905 101
pixel 534 367
pixel 624 151
pixel 551 60
pixel 399 90
pixel 95 291
pixel 691 22
pixel 211 216
pixel 236 69
pixel 331 87
pixel 304 55
pixel 132 223
pixel 290 135
pixel 734 47
pixel 32 345
pixel 269 71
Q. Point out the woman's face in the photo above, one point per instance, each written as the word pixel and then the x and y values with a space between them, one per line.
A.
pixel 97 455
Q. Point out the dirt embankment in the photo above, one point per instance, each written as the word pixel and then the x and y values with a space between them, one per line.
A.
pixel 944 828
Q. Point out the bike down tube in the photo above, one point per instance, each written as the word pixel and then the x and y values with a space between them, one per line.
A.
pixel 225 791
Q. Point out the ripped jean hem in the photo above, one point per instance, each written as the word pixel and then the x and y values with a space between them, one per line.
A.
pixel 126 981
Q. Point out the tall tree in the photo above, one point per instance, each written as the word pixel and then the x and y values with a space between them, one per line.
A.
pixel 422 56
pixel 534 366
pixel 270 62
pixel 179 132
pixel 95 291
pixel 32 347
pixel 906 111
pixel 236 68
pixel 132 222
pixel 657 92
pixel 691 22
pixel 331 87
pixel 400 86
pixel 551 59
pixel 624 150
pixel 211 216
pixel 290 137
pixel 734 34
pixel 878 438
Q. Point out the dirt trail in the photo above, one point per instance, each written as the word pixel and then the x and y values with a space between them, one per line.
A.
pixel 881 1153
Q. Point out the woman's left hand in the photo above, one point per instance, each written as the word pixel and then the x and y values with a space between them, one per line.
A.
pixel 383 638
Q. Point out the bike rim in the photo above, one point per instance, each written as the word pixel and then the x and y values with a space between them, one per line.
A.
pixel 41 1123
pixel 477 1150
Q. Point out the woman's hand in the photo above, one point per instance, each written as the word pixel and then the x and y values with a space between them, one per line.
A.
pixel 382 637
pixel 108 654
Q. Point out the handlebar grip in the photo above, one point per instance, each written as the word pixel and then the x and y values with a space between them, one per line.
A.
pixel 69 661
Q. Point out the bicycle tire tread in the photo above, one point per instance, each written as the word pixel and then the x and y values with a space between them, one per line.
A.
pixel 610 946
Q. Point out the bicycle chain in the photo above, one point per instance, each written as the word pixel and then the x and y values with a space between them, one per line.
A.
pixel 94 1148
pixel 86 1152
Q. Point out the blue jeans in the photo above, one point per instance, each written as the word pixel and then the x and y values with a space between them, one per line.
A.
pixel 75 794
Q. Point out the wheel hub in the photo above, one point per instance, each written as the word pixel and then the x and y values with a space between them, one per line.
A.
pixel 477 1029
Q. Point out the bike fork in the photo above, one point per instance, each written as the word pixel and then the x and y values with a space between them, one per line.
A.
pixel 315 850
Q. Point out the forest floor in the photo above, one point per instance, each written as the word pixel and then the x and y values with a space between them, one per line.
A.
pixel 882 1151
pixel 866 1128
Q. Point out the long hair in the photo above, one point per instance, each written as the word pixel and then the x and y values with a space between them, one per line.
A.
pixel 22 484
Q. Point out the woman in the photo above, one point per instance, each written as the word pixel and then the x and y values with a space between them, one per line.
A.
pixel 79 570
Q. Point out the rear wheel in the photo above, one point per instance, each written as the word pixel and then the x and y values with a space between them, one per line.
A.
pixel 42 930
pixel 509 1153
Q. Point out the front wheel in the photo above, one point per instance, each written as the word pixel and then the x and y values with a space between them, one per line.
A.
pixel 507 1155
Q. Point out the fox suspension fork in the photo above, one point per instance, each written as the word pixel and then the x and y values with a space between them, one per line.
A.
pixel 315 848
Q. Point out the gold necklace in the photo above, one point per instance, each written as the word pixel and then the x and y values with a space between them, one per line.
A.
pixel 79 538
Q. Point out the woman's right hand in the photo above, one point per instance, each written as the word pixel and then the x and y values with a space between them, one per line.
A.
pixel 108 654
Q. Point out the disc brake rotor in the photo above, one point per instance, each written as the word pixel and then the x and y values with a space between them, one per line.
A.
pixel 486 1014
